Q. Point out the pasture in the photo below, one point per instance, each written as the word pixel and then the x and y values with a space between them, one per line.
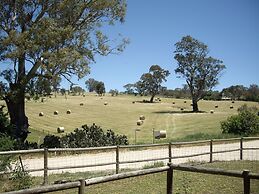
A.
pixel 121 115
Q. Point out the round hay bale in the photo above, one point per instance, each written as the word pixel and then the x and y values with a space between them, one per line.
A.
pixel 211 111
pixel 41 114
pixel 60 129
pixel 182 109
pixel 105 103
pixel 133 102
pixel 231 107
pixel 81 104
pixel 233 102
pixel 83 95
pixel 185 101
pixel 56 112
pixel 216 106
pixel 139 122
pixel 142 117
pixel 173 102
pixel 68 111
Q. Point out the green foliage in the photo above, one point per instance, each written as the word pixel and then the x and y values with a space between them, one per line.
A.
pixel 5 126
pixel 86 136
pixel 200 71
pixel 150 83
pixel 92 136
pixel 245 123
pixel 6 144
pixel 20 179
pixel 51 141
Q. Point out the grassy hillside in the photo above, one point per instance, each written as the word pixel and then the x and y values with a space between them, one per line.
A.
pixel 121 115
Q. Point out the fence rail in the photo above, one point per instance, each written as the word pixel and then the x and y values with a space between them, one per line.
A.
pixel 169 157
pixel 245 175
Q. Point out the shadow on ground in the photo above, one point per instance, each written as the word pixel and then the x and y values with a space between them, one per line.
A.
pixel 178 112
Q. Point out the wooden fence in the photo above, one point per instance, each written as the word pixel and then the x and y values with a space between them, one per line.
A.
pixel 245 175
pixel 117 149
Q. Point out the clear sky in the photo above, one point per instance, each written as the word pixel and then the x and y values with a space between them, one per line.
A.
pixel 230 28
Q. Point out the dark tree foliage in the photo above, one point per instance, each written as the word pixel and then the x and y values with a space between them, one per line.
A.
pixel 100 88
pixel 150 83
pixel 200 71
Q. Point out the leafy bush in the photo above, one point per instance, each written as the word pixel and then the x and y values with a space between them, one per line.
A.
pixel 245 123
pixel 86 136
pixel 5 126
pixel 92 136
pixel 20 179
pixel 6 144
pixel 51 141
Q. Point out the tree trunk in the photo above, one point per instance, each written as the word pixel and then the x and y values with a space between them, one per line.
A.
pixel 16 108
pixel 152 99
pixel 195 105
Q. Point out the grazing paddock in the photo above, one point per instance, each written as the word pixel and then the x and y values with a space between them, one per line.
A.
pixel 121 115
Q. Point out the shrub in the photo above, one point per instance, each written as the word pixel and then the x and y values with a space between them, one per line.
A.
pixel 6 144
pixel 20 179
pixel 245 123
pixel 92 136
pixel 51 141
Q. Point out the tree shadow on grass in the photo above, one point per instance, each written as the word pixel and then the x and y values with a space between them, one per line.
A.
pixel 178 112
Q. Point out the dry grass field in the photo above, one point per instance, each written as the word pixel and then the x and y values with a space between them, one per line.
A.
pixel 121 115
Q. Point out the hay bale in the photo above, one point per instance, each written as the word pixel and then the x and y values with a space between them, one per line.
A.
pixel 182 109
pixel 231 107
pixel 56 112
pixel 81 104
pixel 105 103
pixel 60 129
pixel 139 122
pixel 83 95
pixel 216 106
pixel 142 117
pixel 233 102
pixel 173 102
pixel 185 101
pixel 68 111
pixel 41 114
pixel 211 111
pixel 133 102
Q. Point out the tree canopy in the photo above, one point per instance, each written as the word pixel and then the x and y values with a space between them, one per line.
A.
pixel 150 83
pixel 200 71
pixel 51 38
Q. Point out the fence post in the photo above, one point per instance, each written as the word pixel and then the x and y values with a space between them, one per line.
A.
pixel 45 178
pixel 241 148
pixel 117 160
pixel 170 152
pixel 211 150
pixel 81 187
pixel 169 185
pixel 246 182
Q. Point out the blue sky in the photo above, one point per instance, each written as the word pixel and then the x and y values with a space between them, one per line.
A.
pixel 230 28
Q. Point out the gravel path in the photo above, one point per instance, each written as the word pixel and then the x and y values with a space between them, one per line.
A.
pixel 148 153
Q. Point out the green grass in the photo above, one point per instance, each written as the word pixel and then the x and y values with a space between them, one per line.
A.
pixel 121 115
pixel 184 182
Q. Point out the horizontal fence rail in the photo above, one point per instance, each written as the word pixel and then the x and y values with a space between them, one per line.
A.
pixel 169 169
pixel 118 159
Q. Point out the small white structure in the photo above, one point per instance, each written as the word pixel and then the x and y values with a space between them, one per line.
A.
pixel 41 114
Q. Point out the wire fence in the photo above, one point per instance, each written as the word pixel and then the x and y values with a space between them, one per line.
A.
pixel 43 162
